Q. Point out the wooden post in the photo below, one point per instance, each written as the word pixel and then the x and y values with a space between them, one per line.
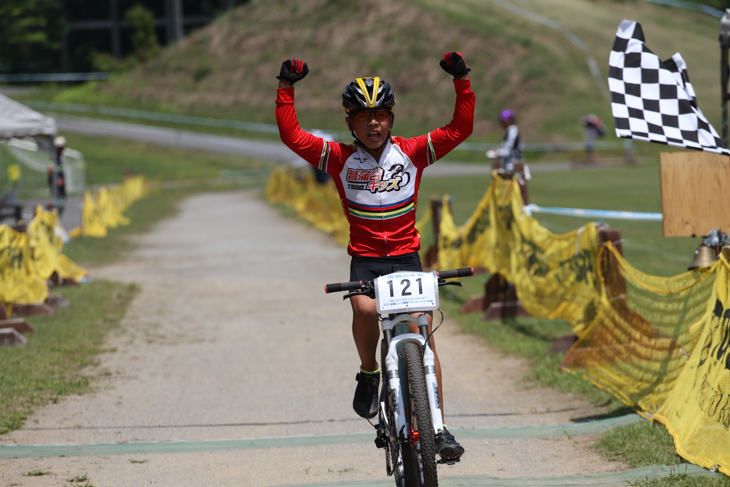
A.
pixel 431 258
pixel 498 302
pixel 506 305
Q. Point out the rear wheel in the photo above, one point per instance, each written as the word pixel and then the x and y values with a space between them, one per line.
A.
pixel 419 452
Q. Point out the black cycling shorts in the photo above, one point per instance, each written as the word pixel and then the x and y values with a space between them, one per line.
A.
pixel 368 268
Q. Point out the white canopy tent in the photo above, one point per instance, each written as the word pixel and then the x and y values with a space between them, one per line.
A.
pixel 17 120
pixel 27 137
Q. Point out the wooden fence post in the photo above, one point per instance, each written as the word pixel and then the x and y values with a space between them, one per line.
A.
pixel 431 257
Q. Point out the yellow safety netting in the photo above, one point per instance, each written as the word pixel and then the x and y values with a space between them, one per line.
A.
pixel 28 259
pixel 46 241
pixel 554 275
pixel 103 210
pixel 660 345
pixel 316 203
pixel 19 280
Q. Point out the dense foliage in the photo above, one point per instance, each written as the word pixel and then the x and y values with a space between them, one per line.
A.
pixel 31 32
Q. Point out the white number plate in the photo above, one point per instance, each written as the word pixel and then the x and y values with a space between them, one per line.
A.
pixel 406 292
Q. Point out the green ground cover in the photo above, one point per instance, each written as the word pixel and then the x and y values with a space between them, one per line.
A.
pixel 55 362
pixel 58 359
pixel 620 188
pixel 615 188
pixel 109 159
pixel 515 62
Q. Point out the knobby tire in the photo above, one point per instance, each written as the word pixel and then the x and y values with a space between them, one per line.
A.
pixel 419 417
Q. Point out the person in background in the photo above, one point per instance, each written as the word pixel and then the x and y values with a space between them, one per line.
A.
pixel 510 150
pixel 56 179
pixel 509 154
pixel 594 128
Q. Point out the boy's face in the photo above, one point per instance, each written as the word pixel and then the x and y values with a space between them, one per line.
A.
pixel 371 126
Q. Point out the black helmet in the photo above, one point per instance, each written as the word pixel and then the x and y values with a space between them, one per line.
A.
pixel 368 93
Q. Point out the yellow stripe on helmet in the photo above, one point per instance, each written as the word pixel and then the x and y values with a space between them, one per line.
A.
pixel 370 98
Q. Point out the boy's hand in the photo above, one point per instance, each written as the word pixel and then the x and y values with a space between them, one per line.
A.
pixel 453 63
pixel 292 70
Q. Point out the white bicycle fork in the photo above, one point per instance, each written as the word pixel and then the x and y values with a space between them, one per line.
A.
pixel 392 362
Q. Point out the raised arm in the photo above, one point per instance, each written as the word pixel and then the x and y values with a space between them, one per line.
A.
pixel 446 138
pixel 304 144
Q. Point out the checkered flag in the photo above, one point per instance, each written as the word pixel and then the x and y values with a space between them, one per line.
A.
pixel 653 100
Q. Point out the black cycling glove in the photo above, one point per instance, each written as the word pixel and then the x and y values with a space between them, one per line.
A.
pixel 292 70
pixel 453 63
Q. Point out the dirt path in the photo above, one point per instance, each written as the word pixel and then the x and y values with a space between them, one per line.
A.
pixel 233 338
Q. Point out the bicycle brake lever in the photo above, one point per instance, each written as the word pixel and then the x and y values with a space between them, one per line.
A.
pixel 449 283
pixel 367 290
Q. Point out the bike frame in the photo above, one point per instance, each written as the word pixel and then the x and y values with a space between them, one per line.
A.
pixel 395 337
pixel 398 298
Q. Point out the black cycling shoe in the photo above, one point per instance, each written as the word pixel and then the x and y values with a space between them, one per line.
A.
pixel 447 446
pixel 365 402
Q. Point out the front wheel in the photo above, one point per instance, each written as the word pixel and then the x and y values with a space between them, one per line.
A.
pixel 419 450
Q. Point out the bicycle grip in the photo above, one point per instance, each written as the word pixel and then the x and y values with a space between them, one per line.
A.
pixel 463 272
pixel 342 286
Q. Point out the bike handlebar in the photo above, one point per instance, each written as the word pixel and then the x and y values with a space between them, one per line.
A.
pixel 342 286
pixel 352 285
pixel 462 272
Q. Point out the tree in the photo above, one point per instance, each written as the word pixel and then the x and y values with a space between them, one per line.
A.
pixel 144 38
pixel 31 33
pixel 144 43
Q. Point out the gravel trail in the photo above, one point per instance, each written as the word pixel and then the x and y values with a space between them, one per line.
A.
pixel 233 338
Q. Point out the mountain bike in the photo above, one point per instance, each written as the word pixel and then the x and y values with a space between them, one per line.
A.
pixel 410 412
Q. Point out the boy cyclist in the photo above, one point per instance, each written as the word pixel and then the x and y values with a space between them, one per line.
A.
pixel 377 178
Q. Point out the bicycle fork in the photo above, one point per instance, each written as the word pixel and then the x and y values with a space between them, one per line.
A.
pixel 392 365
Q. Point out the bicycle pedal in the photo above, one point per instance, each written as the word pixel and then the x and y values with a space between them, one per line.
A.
pixel 381 441
pixel 449 461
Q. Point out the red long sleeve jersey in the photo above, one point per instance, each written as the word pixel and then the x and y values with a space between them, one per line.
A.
pixel 378 197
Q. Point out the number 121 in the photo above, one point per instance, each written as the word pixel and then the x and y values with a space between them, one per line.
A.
pixel 406 284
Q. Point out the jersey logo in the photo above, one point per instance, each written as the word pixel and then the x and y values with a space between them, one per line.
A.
pixel 378 180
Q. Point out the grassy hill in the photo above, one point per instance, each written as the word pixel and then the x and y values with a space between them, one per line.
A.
pixel 228 69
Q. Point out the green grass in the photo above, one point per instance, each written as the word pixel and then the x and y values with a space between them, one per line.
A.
pixel 515 62
pixel 57 358
pixel 626 188
pixel 644 444
pixel 619 188
pixel 639 445
pixel 109 159
pixel 172 174
pixel 37 473
pixel 680 478
pixel 157 206
pixel 53 362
